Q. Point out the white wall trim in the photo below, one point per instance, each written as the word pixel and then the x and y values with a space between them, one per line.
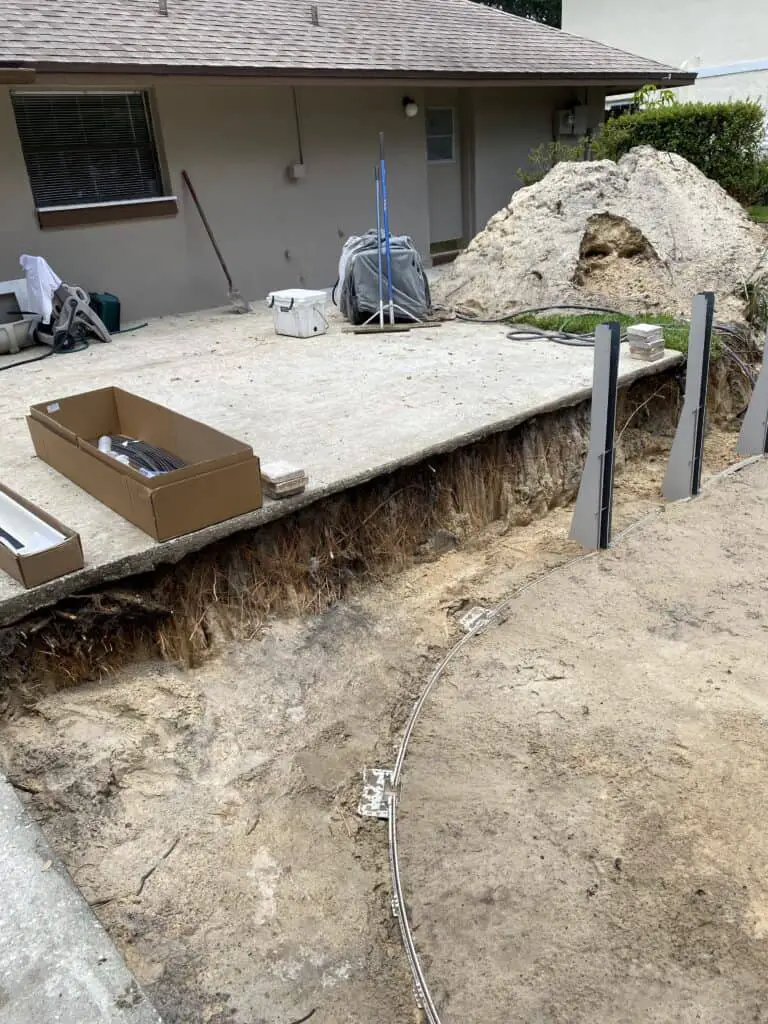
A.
pixel 742 67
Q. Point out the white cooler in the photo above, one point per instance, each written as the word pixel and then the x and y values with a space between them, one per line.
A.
pixel 298 312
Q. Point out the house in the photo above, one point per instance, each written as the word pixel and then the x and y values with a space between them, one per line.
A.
pixel 273 107
pixel 726 46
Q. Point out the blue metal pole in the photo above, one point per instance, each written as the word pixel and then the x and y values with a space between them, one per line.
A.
pixel 378 247
pixel 387 245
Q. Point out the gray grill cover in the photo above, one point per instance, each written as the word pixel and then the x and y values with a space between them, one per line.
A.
pixel 358 279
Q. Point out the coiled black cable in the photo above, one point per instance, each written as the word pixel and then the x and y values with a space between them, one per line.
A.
pixel 143 455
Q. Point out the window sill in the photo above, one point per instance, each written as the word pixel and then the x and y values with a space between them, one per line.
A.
pixel 106 213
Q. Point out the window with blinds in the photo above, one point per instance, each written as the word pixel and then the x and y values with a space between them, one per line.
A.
pixel 89 147
pixel 440 135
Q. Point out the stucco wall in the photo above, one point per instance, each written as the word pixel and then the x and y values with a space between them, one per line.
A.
pixel 707 31
pixel 706 35
pixel 750 85
pixel 235 141
pixel 508 124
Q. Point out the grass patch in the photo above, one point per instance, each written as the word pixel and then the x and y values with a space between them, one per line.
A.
pixel 675 331
pixel 759 214
pixel 756 297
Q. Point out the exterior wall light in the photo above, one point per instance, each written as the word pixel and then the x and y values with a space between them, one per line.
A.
pixel 410 107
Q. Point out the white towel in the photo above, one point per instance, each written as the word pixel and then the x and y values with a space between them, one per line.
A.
pixel 42 282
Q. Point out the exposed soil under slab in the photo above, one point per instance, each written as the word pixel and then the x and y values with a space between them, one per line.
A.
pixel 209 815
pixel 306 561
pixel 346 408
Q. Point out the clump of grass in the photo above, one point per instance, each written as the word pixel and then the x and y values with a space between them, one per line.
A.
pixel 756 299
pixel 759 214
pixel 675 330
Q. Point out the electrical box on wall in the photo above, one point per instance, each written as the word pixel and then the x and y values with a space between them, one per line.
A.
pixel 572 121
pixel 297 171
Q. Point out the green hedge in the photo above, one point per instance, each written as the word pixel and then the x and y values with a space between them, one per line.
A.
pixel 722 139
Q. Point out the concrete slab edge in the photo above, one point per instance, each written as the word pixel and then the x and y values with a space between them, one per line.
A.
pixel 170 552
pixel 57 964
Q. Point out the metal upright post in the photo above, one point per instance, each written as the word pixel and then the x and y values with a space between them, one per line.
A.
pixel 378 247
pixel 753 439
pixel 384 251
pixel 387 237
pixel 591 523
pixel 683 476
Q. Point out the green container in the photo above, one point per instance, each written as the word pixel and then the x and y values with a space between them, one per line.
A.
pixel 107 307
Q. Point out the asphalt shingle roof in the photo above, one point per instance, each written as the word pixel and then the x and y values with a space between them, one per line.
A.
pixel 432 38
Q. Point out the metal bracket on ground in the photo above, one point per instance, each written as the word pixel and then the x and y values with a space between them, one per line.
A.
pixel 591 523
pixel 377 786
pixel 683 476
pixel 477 619
pixel 753 438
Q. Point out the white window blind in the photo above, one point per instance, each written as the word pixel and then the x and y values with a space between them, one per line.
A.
pixel 91 147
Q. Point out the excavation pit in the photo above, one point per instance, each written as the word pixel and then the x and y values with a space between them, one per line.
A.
pixel 193 807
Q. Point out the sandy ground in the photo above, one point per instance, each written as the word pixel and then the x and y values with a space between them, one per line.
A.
pixel 209 816
pixel 582 812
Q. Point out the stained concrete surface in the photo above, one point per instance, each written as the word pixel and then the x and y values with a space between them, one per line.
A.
pixel 345 407
pixel 581 822
pixel 57 964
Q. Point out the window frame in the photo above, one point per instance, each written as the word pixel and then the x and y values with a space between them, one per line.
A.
pixel 78 214
pixel 452 136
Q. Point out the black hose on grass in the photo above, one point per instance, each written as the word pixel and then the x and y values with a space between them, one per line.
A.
pixel 508 317
pixel 586 339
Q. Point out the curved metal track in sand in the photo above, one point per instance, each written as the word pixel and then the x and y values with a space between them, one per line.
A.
pixel 420 984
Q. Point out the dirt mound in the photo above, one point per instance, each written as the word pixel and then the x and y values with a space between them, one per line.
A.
pixel 648 232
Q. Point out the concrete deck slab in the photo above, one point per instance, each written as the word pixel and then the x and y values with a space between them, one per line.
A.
pixel 57 964
pixel 345 407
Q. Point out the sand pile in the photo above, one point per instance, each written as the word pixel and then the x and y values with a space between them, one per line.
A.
pixel 646 233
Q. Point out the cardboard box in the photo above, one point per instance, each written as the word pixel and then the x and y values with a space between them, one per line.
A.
pixel 220 480
pixel 41 566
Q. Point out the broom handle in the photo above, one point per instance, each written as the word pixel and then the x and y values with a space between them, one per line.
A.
pixel 387 246
pixel 207 226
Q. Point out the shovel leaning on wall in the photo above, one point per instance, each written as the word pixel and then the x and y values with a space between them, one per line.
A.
pixel 239 304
